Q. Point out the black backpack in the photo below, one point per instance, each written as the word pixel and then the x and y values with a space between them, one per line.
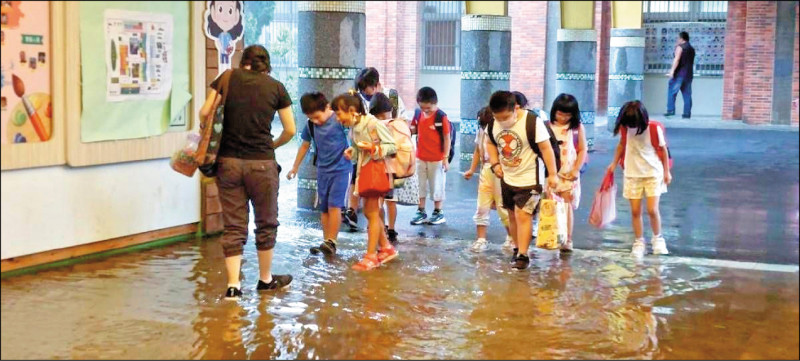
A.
pixel 530 132
pixel 438 123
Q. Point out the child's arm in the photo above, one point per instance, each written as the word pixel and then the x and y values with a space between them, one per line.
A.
pixel 665 161
pixel 301 153
pixel 446 129
pixel 615 160
pixel 494 157
pixel 475 159
pixel 576 169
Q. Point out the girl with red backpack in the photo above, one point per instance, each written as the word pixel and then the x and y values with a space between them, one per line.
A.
pixel 643 154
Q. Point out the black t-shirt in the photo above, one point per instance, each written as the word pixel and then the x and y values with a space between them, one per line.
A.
pixel 250 107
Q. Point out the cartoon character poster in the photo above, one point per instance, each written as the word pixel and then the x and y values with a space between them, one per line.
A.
pixel 223 23
pixel 25 76
pixel 138 55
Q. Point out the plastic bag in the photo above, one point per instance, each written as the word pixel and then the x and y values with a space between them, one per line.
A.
pixel 184 161
pixel 604 208
pixel 552 222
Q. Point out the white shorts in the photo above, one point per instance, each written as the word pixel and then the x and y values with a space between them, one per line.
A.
pixel 431 180
pixel 633 188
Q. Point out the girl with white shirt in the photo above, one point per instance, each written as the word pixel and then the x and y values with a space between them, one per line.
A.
pixel 646 171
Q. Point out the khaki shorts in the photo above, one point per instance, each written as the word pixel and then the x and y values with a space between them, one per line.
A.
pixel 633 188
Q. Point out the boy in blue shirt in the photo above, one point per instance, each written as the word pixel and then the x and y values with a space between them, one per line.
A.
pixel 333 170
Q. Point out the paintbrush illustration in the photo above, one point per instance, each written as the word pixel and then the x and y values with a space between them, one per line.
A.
pixel 19 89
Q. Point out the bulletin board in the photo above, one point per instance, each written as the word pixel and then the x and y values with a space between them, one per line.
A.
pixel 33 133
pixel 83 153
pixel 708 40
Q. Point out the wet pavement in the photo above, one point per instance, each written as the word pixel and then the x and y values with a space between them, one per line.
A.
pixel 728 291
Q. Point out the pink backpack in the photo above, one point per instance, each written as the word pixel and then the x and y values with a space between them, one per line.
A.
pixel 403 163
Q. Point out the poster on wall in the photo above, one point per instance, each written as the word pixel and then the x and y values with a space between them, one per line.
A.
pixel 223 24
pixel 138 55
pixel 25 74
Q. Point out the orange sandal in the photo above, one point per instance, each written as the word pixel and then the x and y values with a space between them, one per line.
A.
pixel 369 262
pixel 387 254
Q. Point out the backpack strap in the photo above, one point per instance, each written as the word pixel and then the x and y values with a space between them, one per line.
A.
pixel 313 141
pixel 490 132
pixel 530 132
pixel 438 123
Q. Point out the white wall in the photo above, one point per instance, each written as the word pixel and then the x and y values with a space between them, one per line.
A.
pixel 448 89
pixel 706 96
pixel 57 207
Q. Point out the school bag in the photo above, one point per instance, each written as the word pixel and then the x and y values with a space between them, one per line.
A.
pixel 403 163
pixel 438 123
pixel 530 132
pixel 653 129
pixel 393 98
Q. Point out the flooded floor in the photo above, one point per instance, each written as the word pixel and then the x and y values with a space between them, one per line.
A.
pixel 437 300
pixel 728 291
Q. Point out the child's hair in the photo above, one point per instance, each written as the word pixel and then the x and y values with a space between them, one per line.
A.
pixel 485 117
pixel 367 77
pixel 344 101
pixel 257 57
pixel 313 102
pixel 215 30
pixel 427 95
pixel 379 104
pixel 566 103
pixel 502 100
pixel 633 114
pixel 521 99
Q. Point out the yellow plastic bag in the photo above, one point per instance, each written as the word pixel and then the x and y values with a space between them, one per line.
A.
pixel 552 222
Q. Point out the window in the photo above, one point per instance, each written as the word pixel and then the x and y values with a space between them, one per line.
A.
pixel 703 20
pixel 441 34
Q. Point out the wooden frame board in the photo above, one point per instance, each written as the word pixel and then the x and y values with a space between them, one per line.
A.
pixel 162 146
pixel 51 152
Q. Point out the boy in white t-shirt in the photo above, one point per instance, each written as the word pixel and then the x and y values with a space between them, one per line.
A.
pixel 516 163
pixel 647 171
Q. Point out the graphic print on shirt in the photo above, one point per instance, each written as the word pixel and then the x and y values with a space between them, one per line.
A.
pixel 510 144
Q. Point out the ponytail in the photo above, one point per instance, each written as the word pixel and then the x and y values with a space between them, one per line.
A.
pixel 344 101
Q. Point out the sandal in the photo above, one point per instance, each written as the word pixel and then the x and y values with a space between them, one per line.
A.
pixel 387 254
pixel 369 262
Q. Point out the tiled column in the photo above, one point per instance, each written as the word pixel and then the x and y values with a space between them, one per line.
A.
pixel 626 58
pixel 625 70
pixel 330 53
pixel 485 68
pixel 577 59
pixel 575 72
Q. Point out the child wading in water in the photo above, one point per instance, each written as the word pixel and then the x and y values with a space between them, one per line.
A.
pixel 647 171
pixel 566 123
pixel 489 193
pixel 371 140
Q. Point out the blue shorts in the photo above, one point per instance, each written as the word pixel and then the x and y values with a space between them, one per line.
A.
pixel 332 189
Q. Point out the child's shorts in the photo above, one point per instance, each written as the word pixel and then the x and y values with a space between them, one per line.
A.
pixel 634 188
pixel 526 199
pixel 332 189
pixel 431 180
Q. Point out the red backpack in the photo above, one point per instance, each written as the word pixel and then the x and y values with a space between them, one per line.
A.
pixel 653 128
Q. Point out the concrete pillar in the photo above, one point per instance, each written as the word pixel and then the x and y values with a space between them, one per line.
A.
pixel 577 59
pixel 551 48
pixel 626 57
pixel 485 68
pixel 330 53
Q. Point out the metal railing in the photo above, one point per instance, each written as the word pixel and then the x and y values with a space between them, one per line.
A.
pixel 440 24
pixel 705 21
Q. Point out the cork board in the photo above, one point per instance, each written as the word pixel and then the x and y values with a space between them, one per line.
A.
pixel 161 146
pixel 52 151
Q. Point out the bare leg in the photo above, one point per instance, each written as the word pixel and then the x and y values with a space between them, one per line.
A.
pixel 233 265
pixel 421 202
pixel 655 214
pixel 512 228
pixel 392 209
pixel 265 265
pixel 437 205
pixel 482 232
pixel 636 215
pixel 325 220
pixel 334 220
pixel 523 224
pixel 375 226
